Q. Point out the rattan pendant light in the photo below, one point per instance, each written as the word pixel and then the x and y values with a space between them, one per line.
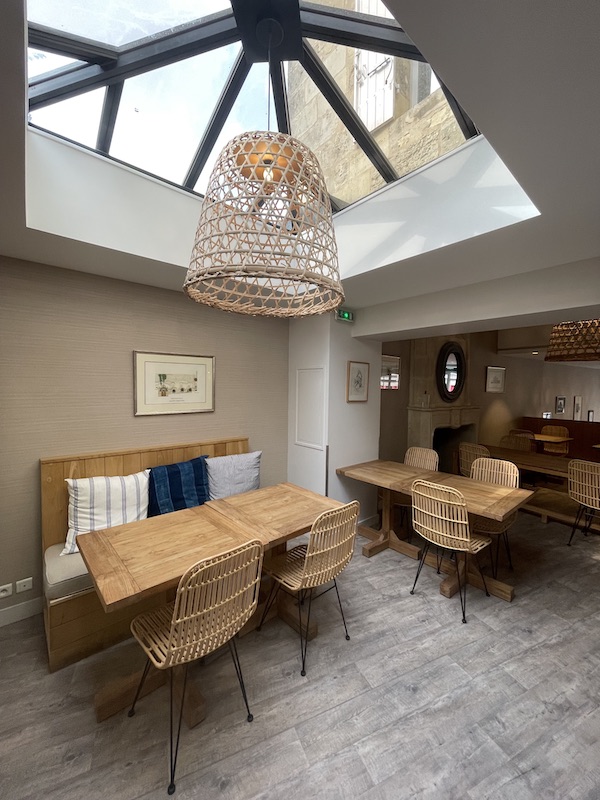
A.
pixel 265 243
pixel 575 341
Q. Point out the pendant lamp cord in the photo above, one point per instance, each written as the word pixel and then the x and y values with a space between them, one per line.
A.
pixel 269 84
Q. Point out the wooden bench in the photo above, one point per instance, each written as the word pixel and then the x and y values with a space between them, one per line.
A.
pixel 549 504
pixel 76 625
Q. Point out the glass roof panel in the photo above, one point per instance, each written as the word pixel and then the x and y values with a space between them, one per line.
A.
pixel 39 62
pixel 77 118
pixel 250 112
pixel 163 114
pixel 399 100
pixel 349 174
pixel 373 7
pixel 119 22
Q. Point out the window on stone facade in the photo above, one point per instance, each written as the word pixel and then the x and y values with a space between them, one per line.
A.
pixel 374 76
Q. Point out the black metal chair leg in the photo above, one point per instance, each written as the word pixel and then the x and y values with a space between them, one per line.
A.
pixel 575 524
pixel 173 755
pixel 238 670
pixel 494 557
pixel 341 610
pixel 131 711
pixel 462 589
pixel 487 594
pixel 275 587
pixel 420 567
pixel 304 639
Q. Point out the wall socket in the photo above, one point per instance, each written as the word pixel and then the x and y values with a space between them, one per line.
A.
pixel 25 585
pixel 6 590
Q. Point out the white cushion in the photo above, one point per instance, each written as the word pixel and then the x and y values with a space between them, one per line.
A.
pixel 229 475
pixel 102 502
pixel 64 576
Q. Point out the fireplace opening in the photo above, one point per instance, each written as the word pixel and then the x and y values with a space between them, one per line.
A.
pixel 446 442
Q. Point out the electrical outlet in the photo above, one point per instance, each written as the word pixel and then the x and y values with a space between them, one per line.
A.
pixel 25 585
pixel 6 590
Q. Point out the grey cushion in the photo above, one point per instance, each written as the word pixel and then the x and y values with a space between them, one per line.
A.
pixel 64 575
pixel 229 475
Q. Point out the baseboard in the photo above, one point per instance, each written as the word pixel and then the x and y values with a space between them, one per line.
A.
pixel 21 611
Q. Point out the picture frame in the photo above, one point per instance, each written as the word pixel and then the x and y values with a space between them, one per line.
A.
pixel 559 404
pixel 577 406
pixel 170 383
pixel 494 379
pixel 590 415
pixel 357 382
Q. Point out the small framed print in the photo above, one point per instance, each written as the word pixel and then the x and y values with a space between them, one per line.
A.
pixel 559 404
pixel 165 383
pixel 590 415
pixel 494 380
pixel 577 406
pixel 357 382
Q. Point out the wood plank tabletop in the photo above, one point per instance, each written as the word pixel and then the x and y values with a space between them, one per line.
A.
pixel 543 463
pixel 139 559
pixel 484 499
pixel 551 438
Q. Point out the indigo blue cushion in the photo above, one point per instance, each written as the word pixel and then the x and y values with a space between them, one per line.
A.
pixel 177 486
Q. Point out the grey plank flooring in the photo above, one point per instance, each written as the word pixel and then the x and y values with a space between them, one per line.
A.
pixel 416 705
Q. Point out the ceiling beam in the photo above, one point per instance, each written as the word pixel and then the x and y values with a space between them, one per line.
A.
pixel 159 51
pixel 352 29
pixel 465 123
pixel 280 96
pixel 108 118
pixel 345 111
pixel 235 81
pixel 71 46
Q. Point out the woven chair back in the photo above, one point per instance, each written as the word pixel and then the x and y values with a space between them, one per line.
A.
pixel 467 453
pixel 521 432
pixel 215 598
pixel 584 483
pixel 440 515
pixel 512 442
pixel 422 457
pixel 330 545
pixel 504 473
pixel 561 448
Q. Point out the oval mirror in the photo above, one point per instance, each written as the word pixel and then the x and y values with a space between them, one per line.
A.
pixel 450 371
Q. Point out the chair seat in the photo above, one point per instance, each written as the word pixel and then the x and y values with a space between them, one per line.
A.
pixel 288 568
pixel 477 542
pixel 152 628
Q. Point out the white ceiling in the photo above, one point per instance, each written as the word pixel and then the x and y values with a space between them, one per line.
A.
pixel 526 73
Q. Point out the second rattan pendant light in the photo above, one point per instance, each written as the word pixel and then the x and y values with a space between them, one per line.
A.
pixel 265 243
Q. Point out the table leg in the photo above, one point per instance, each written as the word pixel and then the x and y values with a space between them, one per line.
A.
pixel 449 586
pixel 387 536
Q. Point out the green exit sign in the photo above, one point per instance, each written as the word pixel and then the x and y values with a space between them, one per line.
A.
pixel 344 315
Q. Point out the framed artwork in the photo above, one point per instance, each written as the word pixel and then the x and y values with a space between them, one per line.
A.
pixel 494 380
pixel 559 404
pixel 577 407
pixel 166 383
pixel 591 415
pixel 357 382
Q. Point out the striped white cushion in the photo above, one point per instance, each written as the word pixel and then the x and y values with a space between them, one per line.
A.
pixel 102 502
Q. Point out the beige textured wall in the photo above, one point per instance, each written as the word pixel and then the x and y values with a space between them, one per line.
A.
pixel 66 344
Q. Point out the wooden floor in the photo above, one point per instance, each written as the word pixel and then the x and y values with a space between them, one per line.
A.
pixel 416 705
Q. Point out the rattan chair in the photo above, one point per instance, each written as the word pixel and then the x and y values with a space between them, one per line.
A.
pixel 504 473
pixel 467 453
pixel 559 448
pixel 584 488
pixel 524 434
pixel 423 457
pixel 440 517
pixel 309 566
pixel 214 599
pixel 512 442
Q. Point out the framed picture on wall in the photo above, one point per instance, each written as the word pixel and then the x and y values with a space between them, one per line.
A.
pixel 577 407
pixel 165 383
pixel 357 382
pixel 559 404
pixel 494 380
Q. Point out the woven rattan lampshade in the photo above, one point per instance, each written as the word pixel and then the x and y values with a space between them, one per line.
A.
pixel 265 243
pixel 575 341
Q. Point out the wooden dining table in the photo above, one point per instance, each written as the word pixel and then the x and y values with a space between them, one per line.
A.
pixel 483 499
pixel 529 461
pixel 130 562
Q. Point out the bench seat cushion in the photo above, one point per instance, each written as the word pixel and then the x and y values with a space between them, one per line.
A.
pixel 64 575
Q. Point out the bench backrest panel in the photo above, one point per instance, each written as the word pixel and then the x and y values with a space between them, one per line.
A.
pixel 54 471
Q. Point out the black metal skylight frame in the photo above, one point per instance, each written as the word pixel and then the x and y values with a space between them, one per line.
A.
pixel 109 66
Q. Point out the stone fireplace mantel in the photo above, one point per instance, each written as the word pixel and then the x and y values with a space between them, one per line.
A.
pixel 422 422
